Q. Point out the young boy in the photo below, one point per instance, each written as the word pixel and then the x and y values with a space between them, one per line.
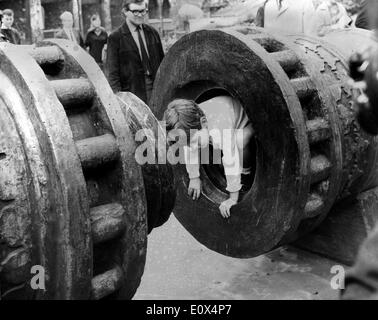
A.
pixel 11 33
pixel 68 31
pixel 96 40
pixel 222 122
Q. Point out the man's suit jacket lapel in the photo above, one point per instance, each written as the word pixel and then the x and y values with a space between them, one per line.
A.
pixel 130 39
pixel 149 40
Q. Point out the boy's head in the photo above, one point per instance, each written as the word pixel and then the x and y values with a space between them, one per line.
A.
pixel 135 11
pixel 8 18
pixel 181 117
pixel 67 20
pixel 95 21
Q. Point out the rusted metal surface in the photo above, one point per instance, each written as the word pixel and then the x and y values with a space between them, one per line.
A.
pixel 44 197
pixel 157 173
pixel 310 149
pixel 72 197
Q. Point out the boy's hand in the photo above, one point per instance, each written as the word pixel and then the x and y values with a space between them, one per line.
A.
pixel 225 207
pixel 194 190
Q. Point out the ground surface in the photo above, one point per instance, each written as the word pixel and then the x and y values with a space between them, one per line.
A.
pixel 178 267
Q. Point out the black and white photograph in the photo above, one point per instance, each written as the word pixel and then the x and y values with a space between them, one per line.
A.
pixel 188 157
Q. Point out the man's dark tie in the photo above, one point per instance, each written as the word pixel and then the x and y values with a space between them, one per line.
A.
pixel 145 59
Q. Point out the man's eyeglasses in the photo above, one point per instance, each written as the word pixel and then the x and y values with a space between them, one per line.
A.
pixel 139 12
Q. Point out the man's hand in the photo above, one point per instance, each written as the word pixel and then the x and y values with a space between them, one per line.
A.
pixel 194 190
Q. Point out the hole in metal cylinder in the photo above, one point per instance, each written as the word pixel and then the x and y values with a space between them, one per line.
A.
pixel 214 168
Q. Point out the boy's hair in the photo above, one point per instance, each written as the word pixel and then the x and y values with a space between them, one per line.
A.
pixel 66 15
pixel 95 17
pixel 126 3
pixel 8 12
pixel 183 114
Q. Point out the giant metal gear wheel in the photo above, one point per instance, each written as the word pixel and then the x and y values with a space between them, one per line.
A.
pixel 72 197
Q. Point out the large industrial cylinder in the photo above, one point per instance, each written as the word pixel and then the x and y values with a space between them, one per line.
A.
pixel 310 151
pixel 72 195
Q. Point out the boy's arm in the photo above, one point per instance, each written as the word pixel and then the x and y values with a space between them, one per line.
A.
pixel 232 171
pixel 231 164
pixel 192 162
pixel 192 167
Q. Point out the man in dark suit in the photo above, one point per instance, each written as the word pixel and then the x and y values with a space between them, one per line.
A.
pixel 134 52
pixel 67 31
